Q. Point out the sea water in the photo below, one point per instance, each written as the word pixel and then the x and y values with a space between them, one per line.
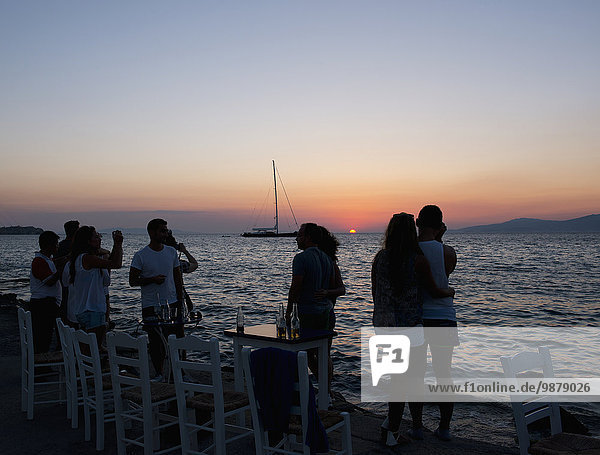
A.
pixel 500 280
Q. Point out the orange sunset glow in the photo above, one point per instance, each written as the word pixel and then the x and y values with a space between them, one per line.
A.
pixel 112 128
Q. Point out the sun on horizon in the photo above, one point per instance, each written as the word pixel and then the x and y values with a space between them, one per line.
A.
pixel 352 231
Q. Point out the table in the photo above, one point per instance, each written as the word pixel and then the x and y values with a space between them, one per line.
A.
pixel 161 326
pixel 265 336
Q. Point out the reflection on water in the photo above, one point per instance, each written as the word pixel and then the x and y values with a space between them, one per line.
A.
pixel 500 279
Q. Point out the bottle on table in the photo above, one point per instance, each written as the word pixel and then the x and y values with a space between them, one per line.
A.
pixel 281 322
pixel 295 323
pixel 166 315
pixel 240 320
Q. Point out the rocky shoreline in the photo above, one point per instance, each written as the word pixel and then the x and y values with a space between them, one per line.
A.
pixel 20 230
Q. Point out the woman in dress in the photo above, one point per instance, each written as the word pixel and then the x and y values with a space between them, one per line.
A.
pixel 88 275
pixel 399 268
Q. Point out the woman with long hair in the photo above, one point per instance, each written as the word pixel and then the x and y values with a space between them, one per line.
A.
pixel 329 245
pixel 399 268
pixel 88 275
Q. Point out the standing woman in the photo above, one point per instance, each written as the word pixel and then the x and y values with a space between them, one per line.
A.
pixel 87 274
pixel 398 269
pixel 46 292
pixel 329 245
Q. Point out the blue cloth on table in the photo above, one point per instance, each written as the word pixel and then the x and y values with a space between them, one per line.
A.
pixel 274 372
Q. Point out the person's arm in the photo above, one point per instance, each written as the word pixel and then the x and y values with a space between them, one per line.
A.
pixel 107 297
pixel 41 270
pixel 449 259
pixel 114 261
pixel 374 275
pixel 135 278
pixel 294 293
pixel 426 279
pixel 336 286
pixel 178 279
pixel 191 259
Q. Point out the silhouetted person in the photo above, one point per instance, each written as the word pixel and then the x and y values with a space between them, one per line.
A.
pixel 186 266
pixel 46 292
pixel 64 249
pixel 439 312
pixel 155 268
pixel 312 271
pixel 329 245
pixel 88 275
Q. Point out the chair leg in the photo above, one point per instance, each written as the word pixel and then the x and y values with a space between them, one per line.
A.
pixel 100 423
pixel 86 418
pixel 69 401
pixel 148 414
pixel 23 389
pixel 74 408
pixel 219 433
pixel 30 395
pixel 346 435
pixel 189 439
pixel 120 427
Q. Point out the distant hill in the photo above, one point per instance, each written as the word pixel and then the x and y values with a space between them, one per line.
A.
pixel 20 230
pixel 589 223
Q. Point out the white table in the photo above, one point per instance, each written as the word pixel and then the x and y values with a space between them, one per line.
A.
pixel 265 336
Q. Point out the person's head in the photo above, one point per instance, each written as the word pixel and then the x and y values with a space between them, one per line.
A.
pixel 401 235
pixel 308 235
pixel 157 230
pixel 85 241
pixel 48 242
pixel 71 227
pixel 170 240
pixel 328 243
pixel 430 217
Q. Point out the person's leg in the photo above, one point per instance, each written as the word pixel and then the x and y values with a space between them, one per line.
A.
pixel 416 374
pixel 53 313
pixel 155 344
pixel 96 323
pixel 441 359
pixel 41 323
pixel 156 348
pixel 395 411
pixel 318 321
pixel 330 326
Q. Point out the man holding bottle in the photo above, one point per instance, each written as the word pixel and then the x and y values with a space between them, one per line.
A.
pixel 157 270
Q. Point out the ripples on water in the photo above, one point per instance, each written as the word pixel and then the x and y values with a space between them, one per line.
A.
pixel 500 279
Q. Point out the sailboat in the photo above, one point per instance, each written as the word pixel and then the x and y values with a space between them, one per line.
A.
pixel 273 231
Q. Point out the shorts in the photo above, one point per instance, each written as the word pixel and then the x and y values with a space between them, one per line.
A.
pixel 91 319
pixel 314 321
pixel 441 332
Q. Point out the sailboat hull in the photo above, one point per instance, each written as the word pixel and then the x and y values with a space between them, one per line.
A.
pixel 269 234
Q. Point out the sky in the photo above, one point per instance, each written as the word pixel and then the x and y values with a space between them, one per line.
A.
pixel 110 111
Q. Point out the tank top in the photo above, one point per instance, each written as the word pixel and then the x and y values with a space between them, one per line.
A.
pixel 437 308
pixel 38 289
pixel 88 289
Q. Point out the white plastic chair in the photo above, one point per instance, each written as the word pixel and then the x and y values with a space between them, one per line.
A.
pixel 205 394
pixel 527 410
pixel 130 373
pixel 30 380
pixel 299 416
pixel 96 387
pixel 71 376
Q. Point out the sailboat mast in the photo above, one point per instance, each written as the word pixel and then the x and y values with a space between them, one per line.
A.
pixel 276 212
